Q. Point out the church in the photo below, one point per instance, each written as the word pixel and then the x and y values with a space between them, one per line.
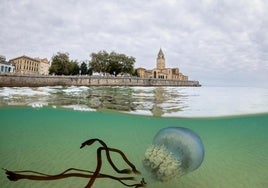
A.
pixel 161 72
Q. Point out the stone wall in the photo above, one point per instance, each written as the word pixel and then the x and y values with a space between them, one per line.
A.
pixel 13 80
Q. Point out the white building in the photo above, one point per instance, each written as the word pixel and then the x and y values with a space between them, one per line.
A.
pixel 6 66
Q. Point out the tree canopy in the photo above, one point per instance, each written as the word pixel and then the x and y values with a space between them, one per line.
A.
pixel 101 62
pixel 83 68
pixel 113 63
pixel 62 65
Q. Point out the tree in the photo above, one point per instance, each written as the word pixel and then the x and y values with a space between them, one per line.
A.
pixel 99 61
pixel 128 65
pixel 135 73
pixel 61 65
pixel 73 68
pixel 2 58
pixel 83 68
pixel 112 63
pixel 114 66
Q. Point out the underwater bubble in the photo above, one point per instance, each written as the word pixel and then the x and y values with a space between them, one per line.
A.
pixel 176 151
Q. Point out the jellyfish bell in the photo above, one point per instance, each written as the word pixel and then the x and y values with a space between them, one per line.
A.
pixel 176 151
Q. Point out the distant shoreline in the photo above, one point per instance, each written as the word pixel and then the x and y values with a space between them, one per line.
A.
pixel 18 80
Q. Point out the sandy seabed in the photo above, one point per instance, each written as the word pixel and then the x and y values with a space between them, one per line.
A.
pixel 48 141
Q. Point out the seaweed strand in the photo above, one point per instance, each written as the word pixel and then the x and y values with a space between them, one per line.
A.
pixel 107 150
pixel 33 175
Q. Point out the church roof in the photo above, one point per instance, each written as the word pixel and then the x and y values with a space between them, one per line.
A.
pixel 160 53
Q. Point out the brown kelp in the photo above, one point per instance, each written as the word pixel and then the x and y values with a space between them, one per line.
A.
pixel 92 175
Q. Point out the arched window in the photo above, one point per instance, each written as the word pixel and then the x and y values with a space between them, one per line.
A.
pixel 154 74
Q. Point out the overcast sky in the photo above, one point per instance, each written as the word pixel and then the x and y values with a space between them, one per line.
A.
pixel 214 41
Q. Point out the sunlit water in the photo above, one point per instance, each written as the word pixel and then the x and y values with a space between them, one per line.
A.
pixel 42 129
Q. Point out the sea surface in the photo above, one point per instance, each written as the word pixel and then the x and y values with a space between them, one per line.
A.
pixel 41 129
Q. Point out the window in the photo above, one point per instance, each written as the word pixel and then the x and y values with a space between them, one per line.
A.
pixel 154 74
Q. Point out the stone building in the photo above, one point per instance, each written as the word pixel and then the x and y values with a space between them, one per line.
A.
pixel 33 66
pixel 161 72
pixel 143 73
pixel 44 66
pixel 6 66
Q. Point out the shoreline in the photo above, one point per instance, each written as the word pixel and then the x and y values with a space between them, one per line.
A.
pixel 18 80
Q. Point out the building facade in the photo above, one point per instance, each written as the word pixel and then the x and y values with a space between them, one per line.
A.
pixel 161 72
pixel 44 66
pixel 32 66
pixel 6 66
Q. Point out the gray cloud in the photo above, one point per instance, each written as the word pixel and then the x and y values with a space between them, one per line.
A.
pixel 211 41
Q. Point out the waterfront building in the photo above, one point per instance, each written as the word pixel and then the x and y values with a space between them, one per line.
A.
pixel 143 73
pixel 6 66
pixel 44 66
pixel 32 66
pixel 161 72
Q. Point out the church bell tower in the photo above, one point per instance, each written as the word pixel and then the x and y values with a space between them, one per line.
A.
pixel 160 61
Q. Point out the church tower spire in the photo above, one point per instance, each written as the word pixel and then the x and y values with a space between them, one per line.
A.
pixel 160 61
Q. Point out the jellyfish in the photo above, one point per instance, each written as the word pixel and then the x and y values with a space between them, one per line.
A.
pixel 175 152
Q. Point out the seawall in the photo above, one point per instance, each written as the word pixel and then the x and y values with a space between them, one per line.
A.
pixel 13 80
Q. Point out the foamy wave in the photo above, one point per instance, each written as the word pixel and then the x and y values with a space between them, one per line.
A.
pixel 23 91
pixel 140 112
pixel 74 90
pixel 49 90
pixel 37 105
pixel 79 108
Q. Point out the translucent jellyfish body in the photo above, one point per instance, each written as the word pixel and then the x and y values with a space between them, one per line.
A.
pixel 176 151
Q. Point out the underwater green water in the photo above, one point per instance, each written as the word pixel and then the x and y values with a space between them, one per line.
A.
pixel 47 140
